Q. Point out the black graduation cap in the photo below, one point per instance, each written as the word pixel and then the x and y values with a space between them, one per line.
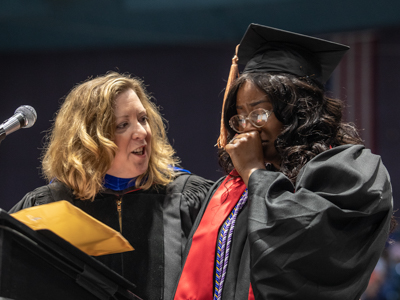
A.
pixel 267 49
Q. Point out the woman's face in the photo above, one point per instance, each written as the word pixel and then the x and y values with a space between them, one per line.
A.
pixel 132 136
pixel 248 98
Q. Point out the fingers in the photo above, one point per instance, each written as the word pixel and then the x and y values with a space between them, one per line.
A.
pixel 245 150
pixel 244 144
pixel 242 137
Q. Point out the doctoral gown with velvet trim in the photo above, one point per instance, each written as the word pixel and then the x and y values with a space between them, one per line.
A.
pixel 156 222
pixel 318 239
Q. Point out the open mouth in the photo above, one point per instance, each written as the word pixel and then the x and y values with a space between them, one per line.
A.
pixel 139 151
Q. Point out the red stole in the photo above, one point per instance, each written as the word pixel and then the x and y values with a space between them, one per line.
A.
pixel 251 293
pixel 197 279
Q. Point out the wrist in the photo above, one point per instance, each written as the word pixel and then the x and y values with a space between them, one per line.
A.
pixel 247 174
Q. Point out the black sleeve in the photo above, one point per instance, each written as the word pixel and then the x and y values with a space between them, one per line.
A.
pixel 38 196
pixel 194 194
pixel 322 238
pixel 55 191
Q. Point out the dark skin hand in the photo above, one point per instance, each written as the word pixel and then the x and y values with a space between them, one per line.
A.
pixel 246 153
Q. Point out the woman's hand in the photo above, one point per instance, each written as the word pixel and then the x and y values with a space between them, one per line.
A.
pixel 246 152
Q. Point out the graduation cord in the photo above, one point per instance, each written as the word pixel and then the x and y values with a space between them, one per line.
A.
pixel 224 246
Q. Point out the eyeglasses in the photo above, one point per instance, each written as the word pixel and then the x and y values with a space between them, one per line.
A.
pixel 257 118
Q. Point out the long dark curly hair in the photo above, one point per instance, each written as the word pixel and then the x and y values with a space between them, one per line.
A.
pixel 312 121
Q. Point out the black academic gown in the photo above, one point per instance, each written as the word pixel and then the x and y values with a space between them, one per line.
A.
pixel 319 239
pixel 156 222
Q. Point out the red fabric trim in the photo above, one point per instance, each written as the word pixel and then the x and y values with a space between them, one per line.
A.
pixel 197 279
pixel 133 191
pixel 251 293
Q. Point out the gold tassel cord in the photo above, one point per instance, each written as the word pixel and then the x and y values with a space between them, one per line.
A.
pixel 233 74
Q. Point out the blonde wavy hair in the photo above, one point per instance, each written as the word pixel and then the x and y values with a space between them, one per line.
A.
pixel 80 148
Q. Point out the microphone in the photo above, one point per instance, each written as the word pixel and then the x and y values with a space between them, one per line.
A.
pixel 24 117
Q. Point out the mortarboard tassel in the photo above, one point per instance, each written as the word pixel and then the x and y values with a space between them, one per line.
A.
pixel 233 74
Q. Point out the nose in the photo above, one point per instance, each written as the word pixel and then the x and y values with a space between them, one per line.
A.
pixel 250 127
pixel 139 132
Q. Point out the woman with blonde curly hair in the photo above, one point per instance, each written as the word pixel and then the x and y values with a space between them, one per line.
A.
pixel 108 154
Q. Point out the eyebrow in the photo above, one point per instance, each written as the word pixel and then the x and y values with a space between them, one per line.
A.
pixel 254 103
pixel 121 116
pixel 143 112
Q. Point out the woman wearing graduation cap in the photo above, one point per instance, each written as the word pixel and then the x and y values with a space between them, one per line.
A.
pixel 108 154
pixel 305 210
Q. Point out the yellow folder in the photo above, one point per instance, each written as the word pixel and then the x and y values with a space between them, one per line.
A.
pixel 75 226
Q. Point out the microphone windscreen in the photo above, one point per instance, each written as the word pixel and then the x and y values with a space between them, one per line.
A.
pixel 29 113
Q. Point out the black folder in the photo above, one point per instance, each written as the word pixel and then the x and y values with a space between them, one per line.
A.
pixel 41 265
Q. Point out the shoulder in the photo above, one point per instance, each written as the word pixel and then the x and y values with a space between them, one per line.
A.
pixel 52 192
pixel 347 152
pixel 343 155
pixel 338 156
pixel 185 182
pixel 343 166
pixel 59 191
pixel 38 196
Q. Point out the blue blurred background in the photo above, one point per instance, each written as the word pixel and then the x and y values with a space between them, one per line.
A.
pixel 182 50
